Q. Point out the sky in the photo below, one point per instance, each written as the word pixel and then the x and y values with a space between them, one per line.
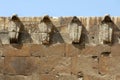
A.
pixel 60 7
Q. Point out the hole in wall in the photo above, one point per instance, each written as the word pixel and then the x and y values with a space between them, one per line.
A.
pixel 105 53
pixel 92 37
pixel 106 42
pixel 80 76
pixel 94 57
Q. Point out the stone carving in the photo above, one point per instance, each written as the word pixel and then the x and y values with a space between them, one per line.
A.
pixel 75 29
pixel 14 29
pixel 45 29
pixel 105 31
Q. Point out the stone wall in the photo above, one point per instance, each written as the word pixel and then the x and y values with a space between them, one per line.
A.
pixel 61 58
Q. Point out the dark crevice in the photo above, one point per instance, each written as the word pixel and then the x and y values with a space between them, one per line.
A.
pixel 80 75
pixel 105 53
pixel 94 57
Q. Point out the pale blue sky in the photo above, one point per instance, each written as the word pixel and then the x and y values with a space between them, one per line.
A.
pixel 60 7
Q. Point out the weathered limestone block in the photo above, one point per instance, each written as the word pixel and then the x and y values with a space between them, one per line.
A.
pixel 2 23
pixel 95 50
pixel 84 64
pixel 75 30
pixel 104 60
pixel 53 50
pixel 1 65
pixel 115 50
pixel 114 65
pixel 4 38
pixel 117 77
pixel 63 66
pixel 55 65
pixel 68 77
pixel 14 77
pixel 16 50
pixel 106 31
pixel 93 35
pixel 105 34
pixel 72 50
pixel 20 65
pixel 95 77
pixel 2 77
pixel 22 77
pixel 14 29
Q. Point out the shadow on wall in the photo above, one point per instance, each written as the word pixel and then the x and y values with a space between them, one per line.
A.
pixel 22 34
pixel 55 34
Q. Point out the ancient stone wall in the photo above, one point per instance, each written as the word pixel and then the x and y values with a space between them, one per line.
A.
pixel 59 48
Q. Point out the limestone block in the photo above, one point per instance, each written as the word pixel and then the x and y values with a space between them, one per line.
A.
pixel 63 66
pixel 4 38
pixel 53 50
pixel 114 65
pixel 115 51
pixel 95 50
pixel 1 65
pixel 23 77
pixel 72 50
pixel 2 77
pixel 117 77
pixel 55 65
pixel 45 28
pixel 68 77
pixel 16 50
pixel 20 65
pixel 2 23
pixel 104 63
pixel 95 77
pixel 84 64
pixel 36 38
pixel 48 77
pixel 14 77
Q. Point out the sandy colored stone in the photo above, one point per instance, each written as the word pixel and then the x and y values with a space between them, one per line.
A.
pixel 72 50
pixel 55 64
pixel 2 77
pixel 93 77
pixel 84 64
pixel 1 64
pixel 20 65
pixel 96 50
pixel 118 77
pixel 14 77
pixel 104 64
pixel 16 50
pixel 115 51
pixel 114 65
pixel 52 50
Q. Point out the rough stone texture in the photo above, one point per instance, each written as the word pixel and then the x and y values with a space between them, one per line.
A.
pixel 20 65
pixel 1 65
pixel 16 50
pixel 60 59
pixel 41 50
